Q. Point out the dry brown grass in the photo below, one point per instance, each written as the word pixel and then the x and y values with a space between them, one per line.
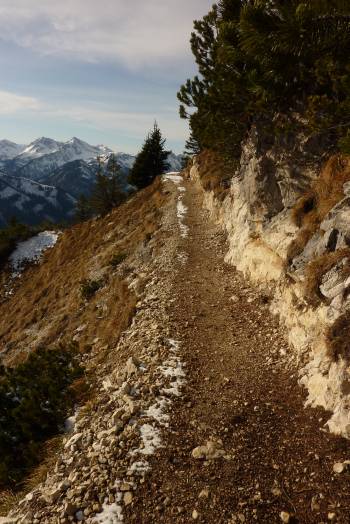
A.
pixel 46 307
pixel 314 205
pixel 214 175
pixel 318 267
pixel 50 452
pixel 8 499
pixel 337 338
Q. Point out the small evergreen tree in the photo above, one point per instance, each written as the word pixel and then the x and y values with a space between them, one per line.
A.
pixel 83 209
pixel 116 194
pixel 151 160
pixel 107 193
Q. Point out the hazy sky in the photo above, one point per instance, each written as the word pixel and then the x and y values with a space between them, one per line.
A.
pixel 102 70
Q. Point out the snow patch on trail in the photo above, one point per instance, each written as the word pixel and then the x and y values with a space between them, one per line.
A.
pixel 174 176
pixel 181 213
pixel 182 258
pixel 181 208
pixel 151 440
pixel 111 514
pixel 31 250
pixel 150 434
pixel 158 411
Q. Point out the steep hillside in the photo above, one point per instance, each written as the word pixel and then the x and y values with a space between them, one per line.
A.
pixel 195 411
pixel 47 305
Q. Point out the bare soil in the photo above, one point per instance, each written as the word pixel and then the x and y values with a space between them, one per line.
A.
pixel 241 389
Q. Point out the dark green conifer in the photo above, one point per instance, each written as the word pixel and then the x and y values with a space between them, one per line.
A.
pixel 258 59
pixel 151 160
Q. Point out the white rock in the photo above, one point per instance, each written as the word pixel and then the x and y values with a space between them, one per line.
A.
pixel 74 440
pixel 132 366
pixel 285 517
pixel 339 467
pixel 127 498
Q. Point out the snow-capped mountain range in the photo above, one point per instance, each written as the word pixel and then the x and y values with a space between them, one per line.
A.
pixel 42 180
pixel 31 202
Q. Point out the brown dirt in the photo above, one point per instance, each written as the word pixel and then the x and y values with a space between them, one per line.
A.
pixel 242 391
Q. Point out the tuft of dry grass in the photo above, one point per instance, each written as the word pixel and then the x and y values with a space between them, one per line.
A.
pixel 8 499
pixel 337 338
pixel 318 267
pixel 214 175
pixel 313 206
pixel 51 450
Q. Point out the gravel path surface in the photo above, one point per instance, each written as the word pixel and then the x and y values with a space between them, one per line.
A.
pixel 240 446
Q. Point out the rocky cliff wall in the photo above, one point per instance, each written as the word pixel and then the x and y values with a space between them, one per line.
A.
pixel 257 214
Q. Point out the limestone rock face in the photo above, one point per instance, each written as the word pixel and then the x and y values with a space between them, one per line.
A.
pixel 275 172
pixel 256 214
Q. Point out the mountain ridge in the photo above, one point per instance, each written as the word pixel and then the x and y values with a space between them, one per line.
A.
pixel 69 167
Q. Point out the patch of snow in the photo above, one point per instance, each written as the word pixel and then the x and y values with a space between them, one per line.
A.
pixel 151 440
pixel 142 466
pixel 157 411
pixel 31 250
pixel 181 209
pixel 182 257
pixel 69 423
pixel 174 176
pixel 150 434
pixel 111 514
pixel 181 213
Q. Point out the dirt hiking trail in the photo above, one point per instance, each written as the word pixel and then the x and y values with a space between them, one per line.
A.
pixel 240 446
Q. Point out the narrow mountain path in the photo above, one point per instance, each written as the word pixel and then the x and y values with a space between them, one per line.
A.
pixel 263 457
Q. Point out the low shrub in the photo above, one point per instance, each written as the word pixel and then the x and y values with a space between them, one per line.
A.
pixel 35 398
pixel 89 287
pixel 117 259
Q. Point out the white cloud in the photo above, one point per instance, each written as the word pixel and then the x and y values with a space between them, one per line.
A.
pixel 95 116
pixel 127 123
pixel 137 33
pixel 11 103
